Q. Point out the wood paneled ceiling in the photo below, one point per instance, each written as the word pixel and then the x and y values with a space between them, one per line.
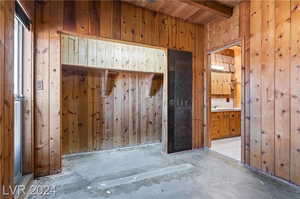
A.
pixel 193 11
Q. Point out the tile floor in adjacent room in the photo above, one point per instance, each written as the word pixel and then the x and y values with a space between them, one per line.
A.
pixel 146 173
pixel 230 147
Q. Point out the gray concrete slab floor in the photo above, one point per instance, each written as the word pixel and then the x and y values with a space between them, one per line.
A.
pixel 146 173
pixel 230 147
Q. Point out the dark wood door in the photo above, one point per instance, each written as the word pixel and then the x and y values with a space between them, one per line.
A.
pixel 180 83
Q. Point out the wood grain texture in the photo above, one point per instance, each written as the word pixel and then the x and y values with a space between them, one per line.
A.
pixel 295 93
pixel 111 55
pixel 55 86
pixel 282 86
pixel 2 78
pixel 110 20
pixel 192 11
pixel 47 96
pixel 255 84
pixel 276 31
pixel 6 96
pixel 83 88
pixel 224 32
pixel 42 156
pixel 225 124
pixel 267 86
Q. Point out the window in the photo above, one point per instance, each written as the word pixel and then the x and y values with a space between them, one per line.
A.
pixel 19 97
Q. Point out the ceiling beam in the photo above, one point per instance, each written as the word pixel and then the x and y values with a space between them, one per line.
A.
pixel 211 6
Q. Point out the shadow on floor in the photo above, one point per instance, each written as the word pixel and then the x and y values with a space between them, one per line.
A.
pixel 145 173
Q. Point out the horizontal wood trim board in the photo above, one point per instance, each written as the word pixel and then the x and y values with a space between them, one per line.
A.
pixel 111 55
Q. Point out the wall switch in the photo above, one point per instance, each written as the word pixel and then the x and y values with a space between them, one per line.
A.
pixel 39 85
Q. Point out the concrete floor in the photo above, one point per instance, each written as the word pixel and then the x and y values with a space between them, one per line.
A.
pixel 146 173
pixel 230 147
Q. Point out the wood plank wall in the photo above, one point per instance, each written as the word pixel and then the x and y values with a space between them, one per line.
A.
pixel 94 118
pixel 271 84
pixel 6 95
pixel 224 31
pixel 109 19
pixel 275 137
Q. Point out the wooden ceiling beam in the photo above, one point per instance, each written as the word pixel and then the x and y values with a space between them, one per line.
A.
pixel 211 6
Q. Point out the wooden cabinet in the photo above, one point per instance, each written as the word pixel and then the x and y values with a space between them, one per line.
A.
pixel 220 83
pixel 225 124
pixel 235 123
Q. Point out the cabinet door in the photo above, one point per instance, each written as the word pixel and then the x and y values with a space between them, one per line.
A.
pixel 226 120
pixel 235 123
pixel 216 122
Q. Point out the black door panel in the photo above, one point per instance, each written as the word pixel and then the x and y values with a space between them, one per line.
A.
pixel 179 101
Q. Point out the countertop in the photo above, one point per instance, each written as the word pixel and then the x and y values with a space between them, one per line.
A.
pixel 224 109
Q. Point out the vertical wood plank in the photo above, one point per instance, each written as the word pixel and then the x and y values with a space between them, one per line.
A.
pixel 7 98
pixel 109 118
pixel 125 109
pixel 92 52
pixel 295 92
pixel 110 15
pixel 255 84
pixel 116 19
pixel 94 17
pixel 82 111
pixel 66 96
pixel 117 92
pixel 97 111
pixel 42 156
pixel 133 111
pixel 172 25
pixel 82 16
pixel 282 89
pixel 55 87
pixel 163 25
pixel 82 51
pixel 2 78
pixel 69 18
pixel 74 113
pixel 267 86
pixel 90 108
pixel 64 49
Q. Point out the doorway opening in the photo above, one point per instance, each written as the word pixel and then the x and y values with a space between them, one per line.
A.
pixel 225 100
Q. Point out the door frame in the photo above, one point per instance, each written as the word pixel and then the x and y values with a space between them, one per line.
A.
pixel 207 96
